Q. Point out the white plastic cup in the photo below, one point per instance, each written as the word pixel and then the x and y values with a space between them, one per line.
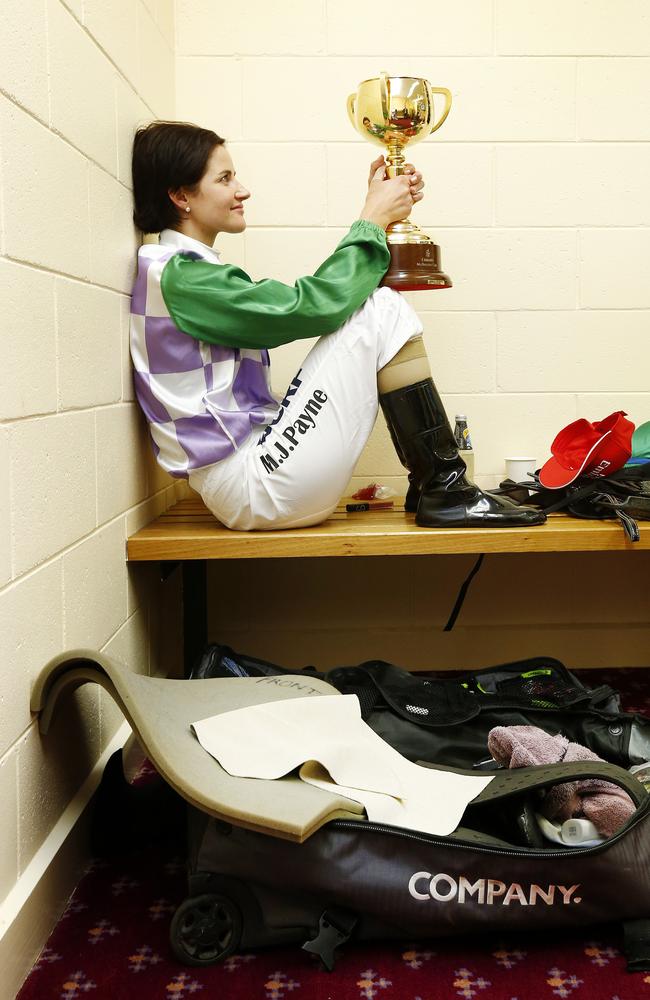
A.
pixel 468 459
pixel 518 467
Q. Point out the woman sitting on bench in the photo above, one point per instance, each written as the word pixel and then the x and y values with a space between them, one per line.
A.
pixel 200 334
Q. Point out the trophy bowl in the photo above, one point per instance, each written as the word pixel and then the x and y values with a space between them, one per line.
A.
pixel 393 112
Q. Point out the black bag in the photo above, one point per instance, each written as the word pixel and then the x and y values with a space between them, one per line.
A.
pixel 369 880
pixel 447 719
pixel 624 495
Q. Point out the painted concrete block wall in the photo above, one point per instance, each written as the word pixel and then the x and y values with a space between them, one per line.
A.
pixel 537 188
pixel 537 191
pixel 78 475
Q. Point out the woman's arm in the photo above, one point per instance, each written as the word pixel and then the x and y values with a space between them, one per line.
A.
pixel 221 304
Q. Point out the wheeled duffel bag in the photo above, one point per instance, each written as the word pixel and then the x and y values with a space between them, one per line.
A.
pixel 363 880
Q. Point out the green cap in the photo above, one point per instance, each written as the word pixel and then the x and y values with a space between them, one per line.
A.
pixel 640 445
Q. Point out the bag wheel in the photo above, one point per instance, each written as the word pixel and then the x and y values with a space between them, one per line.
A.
pixel 205 929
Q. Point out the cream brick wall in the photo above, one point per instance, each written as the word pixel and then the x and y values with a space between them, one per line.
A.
pixel 537 191
pixel 76 78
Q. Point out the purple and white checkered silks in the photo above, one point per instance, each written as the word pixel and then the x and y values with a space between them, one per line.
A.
pixel 201 400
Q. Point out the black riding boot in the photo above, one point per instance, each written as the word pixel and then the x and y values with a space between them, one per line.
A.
pixel 425 445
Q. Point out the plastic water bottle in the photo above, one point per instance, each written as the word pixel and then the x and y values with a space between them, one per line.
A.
pixel 464 443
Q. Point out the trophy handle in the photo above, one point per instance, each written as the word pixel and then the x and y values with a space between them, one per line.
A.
pixel 351 109
pixel 447 96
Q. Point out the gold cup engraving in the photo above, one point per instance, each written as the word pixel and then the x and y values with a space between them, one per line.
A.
pixel 393 112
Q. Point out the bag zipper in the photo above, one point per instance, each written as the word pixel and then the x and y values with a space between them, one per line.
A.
pixel 523 852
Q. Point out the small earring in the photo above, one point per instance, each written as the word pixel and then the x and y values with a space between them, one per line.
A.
pixel 187 209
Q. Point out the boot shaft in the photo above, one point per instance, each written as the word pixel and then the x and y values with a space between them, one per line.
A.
pixel 416 407
pixel 422 436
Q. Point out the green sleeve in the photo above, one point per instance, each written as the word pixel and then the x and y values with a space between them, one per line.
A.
pixel 222 305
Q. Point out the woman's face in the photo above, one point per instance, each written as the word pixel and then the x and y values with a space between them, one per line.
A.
pixel 217 205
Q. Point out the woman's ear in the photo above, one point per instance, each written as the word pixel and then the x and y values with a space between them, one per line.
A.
pixel 179 198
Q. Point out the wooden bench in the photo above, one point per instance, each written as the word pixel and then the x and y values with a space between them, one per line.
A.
pixel 188 534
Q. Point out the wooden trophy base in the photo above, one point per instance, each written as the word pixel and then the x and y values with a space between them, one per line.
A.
pixel 415 267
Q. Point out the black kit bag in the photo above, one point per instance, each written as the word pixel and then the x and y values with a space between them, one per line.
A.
pixel 624 495
pixel 362 880
pixel 447 719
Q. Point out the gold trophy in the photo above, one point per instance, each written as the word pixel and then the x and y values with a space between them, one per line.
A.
pixel 394 111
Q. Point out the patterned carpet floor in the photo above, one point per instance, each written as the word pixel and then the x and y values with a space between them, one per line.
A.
pixel 113 942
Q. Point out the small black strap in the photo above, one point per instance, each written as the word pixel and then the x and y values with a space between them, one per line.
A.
pixel 630 526
pixel 462 594
pixel 574 495
pixel 334 928
pixel 636 945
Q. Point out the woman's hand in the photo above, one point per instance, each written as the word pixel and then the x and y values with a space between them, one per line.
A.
pixel 391 199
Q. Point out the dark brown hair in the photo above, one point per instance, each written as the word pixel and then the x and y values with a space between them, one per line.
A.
pixel 167 156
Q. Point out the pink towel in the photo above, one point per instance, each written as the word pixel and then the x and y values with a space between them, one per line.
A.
pixel 605 804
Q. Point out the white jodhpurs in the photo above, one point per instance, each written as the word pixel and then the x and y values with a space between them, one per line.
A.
pixel 293 471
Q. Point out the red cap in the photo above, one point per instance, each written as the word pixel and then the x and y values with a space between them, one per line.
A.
pixel 586 449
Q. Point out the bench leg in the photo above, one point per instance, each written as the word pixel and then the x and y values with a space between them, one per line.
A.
pixel 195 610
